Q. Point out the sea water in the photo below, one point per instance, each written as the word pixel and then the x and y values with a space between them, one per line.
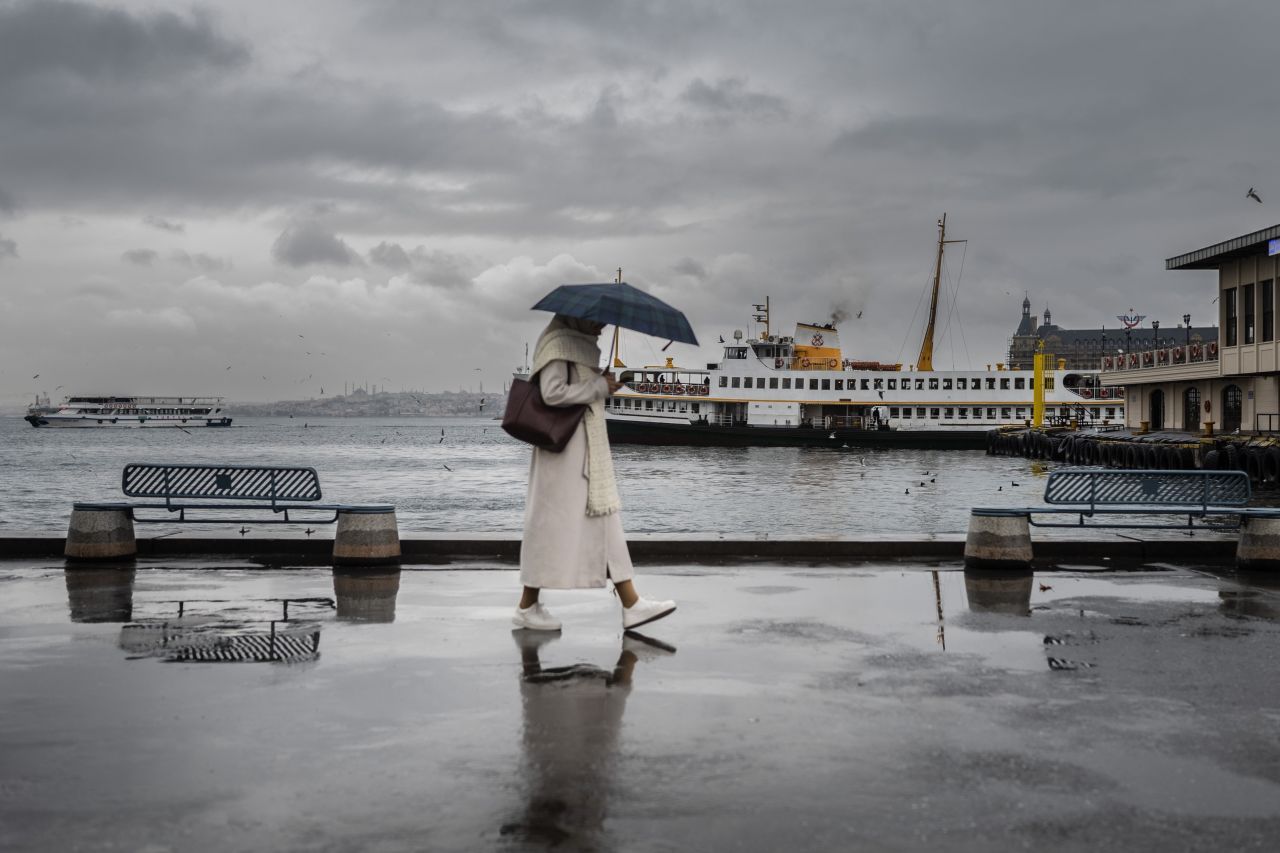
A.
pixel 467 476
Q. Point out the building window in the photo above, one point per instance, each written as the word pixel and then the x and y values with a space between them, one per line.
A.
pixel 1246 296
pixel 1268 310
pixel 1230 317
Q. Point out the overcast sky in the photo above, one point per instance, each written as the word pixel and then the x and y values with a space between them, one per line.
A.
pixel 260 200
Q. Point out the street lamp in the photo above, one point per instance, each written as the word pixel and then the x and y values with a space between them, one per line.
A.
pixel 1155 334
pixel 1128 339
pixel 1186 322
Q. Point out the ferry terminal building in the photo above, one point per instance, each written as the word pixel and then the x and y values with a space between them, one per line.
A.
pixel 1229 385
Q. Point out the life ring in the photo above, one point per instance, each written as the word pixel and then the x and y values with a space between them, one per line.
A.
pixel 1105 393
pixel 831 363
pixel 1196 351
pixel 1213 349
pixel 1147 359
pixel 777 362
pixel 642 387
pixel 1086 393
pixel 1106 363
pixel 706 389
pixel 1208 407
pixel 666 389
pixel 804 362
pixel 677 389
pixel 1162 356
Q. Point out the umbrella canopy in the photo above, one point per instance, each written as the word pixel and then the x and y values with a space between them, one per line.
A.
pixel 619 305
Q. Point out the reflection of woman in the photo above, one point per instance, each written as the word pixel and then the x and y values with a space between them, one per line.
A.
pixel 573 535
pixel 572 718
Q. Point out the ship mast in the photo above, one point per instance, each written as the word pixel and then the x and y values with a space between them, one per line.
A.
pixel 617 355
pixel 925 361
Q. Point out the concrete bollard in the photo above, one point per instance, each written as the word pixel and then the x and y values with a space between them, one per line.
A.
pixel 366 536
pixel 366 596
pixel 998 539
pixel 1259 547
pixel 101 531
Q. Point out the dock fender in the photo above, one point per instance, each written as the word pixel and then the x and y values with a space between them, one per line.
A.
pixel 1212 461
pixel 1133 456
pixel 1232 454
pixel 1253 463
pixel 1151 457
pixel 1271 465
pixel 1187 458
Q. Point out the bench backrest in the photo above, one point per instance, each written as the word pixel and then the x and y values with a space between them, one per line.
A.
pixel 238 482
pixel 1151 488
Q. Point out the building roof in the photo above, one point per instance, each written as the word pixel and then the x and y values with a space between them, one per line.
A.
pixel 1073 336
pixel 1212 257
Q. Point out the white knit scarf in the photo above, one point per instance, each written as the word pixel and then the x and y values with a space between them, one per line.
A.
pixel 560 342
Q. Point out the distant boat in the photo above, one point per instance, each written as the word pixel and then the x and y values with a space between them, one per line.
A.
pixel 132 411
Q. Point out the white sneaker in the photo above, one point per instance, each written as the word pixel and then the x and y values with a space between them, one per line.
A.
pixel 535 618
pixel 645 611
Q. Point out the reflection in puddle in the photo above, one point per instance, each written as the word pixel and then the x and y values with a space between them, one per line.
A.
pixel 999 592
pixel 365 596
pixel 572 717
pixel 220 631
pixel 100 594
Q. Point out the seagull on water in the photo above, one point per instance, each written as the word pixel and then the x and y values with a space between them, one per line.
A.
pixel 1253 195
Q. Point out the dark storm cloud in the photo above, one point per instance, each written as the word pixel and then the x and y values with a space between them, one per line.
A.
pixel 140 257
pixel 8 248
pixel 928 134
pixel 40 37
pixel 690 267
pixel 165 224
pixel 731 97
pixel 309 243
pixel 200 261
pixel 390 255
pixel 8 204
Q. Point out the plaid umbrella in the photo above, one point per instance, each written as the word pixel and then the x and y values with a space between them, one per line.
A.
pixel 619 305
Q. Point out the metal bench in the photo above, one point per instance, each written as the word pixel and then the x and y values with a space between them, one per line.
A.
pixel 223 494
pixel 1000 537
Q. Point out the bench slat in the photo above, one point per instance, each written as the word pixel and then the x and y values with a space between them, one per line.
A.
pixel 240 482
pixel 1153 488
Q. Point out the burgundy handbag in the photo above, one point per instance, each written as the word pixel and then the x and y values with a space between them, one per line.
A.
pixel 531 420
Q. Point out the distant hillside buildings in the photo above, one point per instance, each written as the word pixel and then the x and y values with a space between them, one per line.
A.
pixel 1084 349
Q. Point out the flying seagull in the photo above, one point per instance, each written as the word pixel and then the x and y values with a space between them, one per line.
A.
pixel 1253 195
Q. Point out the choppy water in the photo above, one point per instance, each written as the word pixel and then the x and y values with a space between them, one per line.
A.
pixel 401 461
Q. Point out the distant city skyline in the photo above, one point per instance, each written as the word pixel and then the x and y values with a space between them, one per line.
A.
pixel 257 200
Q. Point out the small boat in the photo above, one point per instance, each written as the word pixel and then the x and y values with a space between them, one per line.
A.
pixel 133 411
pixel 800 389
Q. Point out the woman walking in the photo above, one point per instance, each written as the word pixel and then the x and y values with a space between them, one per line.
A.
pixel 573 535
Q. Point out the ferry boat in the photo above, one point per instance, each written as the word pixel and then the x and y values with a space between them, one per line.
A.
pixel 133 411
pixel 800 389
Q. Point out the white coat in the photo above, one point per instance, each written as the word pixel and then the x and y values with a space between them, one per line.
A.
pixel 563 547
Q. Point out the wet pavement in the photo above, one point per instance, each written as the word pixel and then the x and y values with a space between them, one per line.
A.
pixel 881 707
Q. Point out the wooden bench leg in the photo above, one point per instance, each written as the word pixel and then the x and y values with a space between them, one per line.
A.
pixel 366 536
pixel 998 539
pixel 1259 546
pixel 101 531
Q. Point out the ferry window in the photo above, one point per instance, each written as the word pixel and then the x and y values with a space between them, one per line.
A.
pixel 826 385
pixel 920 387
pixel 976 383
pixel 773 382
pixel 946 385
pixel 933 413
pixel 746 382
pixel 991 414
pixel 962 384
pixel 1095 413
pixel 695 407
pixel 648 405
pixel 933 384
pixel 964 414
pixel 1006 412
pixel 1004 384
pixel 866 386
pixel 1111 413
pixel 920 411
pixel 735 352
pixel 683 407
pixel 977 413
pixel 786 382
pixel 893 385
pixel 906 411
pixel 893 411
pixel 737 382
pixel 724 381
pixel 1020 383
pixel 1022 413
pixel 948 413
pixel 839 384
pixel 813 385
pixel 1048 383
pixel 991 384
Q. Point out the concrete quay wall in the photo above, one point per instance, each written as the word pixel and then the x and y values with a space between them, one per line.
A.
pixel 692 548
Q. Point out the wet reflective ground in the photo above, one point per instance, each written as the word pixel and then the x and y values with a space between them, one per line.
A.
pixel 796 708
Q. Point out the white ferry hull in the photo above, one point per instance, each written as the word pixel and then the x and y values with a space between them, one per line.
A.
pixel 132 412
pixel 125 422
